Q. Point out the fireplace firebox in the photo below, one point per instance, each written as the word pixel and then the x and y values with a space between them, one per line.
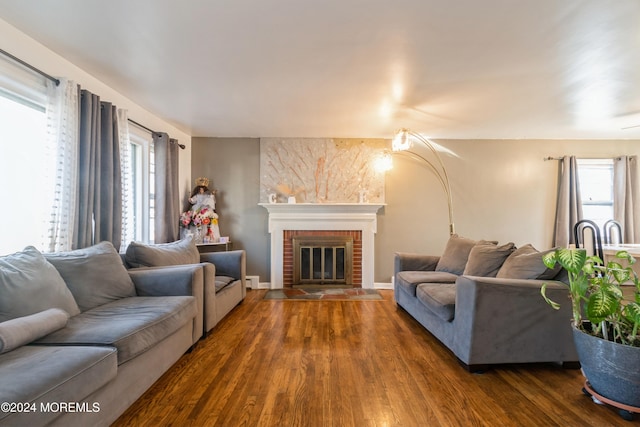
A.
pixel 322 260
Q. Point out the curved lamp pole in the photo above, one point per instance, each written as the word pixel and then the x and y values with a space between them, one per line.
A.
pixel 402 143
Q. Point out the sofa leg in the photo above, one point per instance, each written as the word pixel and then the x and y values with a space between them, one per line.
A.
pixel 190 349
pixel 475 369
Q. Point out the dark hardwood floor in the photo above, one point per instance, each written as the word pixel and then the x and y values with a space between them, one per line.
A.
pixel 351 363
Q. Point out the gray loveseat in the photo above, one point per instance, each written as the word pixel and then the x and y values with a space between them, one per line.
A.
pixel 81 338
pixel 483 302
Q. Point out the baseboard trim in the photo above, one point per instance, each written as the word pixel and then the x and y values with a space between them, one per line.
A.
pixel 383 285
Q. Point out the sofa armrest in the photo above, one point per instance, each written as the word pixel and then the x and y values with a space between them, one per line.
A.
pixel 404 261
pixel 231 263
pixel 508 321
pixel 175 280
pixel 168 280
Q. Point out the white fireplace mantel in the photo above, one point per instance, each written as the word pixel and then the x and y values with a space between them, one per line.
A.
pixel 322 216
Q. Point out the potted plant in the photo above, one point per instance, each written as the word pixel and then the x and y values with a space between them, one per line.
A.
pixel 605 324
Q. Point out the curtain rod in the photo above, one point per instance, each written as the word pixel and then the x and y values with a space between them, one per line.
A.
pixel 142 126
pixel 153 131
pixel 31 67
pixel 583 158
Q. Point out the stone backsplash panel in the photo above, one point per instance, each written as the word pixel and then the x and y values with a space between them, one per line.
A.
pixel 321 170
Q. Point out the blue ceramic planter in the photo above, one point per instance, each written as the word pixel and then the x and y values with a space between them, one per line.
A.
pixel 612 369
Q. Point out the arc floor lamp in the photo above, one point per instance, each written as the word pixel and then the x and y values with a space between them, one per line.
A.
pixel 402 143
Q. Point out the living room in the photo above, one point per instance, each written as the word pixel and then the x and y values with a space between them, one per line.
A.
pixel 495 142
pixel 522 210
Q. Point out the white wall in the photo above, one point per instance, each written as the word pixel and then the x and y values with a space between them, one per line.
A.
pixel 34 53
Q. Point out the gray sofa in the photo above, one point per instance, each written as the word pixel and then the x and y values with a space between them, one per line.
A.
pixel 81 338
pixel 224 274
pixel 483 302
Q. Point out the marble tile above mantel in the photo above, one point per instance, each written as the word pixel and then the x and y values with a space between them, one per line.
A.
pixel 322 170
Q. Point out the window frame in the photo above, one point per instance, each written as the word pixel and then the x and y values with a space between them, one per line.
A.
pixel 593 164
pixel 141 143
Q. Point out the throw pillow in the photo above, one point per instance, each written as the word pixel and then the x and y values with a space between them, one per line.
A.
pixel 180 252
pixel 95 275
pixel 455 255
pixel 526 263
pixel 29 284
pixel 486 259
pixel 17 332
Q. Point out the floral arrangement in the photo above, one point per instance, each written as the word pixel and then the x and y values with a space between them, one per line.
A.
pixel 186 218
pixel 202 217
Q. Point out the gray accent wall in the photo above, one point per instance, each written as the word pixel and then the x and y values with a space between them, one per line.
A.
pixel 502 190
pixel 233 168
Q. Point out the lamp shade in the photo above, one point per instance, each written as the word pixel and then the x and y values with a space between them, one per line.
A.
pixel 402 141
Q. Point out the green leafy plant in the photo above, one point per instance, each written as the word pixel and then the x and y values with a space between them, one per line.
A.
pixel 596 294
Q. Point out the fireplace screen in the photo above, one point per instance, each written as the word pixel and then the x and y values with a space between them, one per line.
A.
pixel 323 260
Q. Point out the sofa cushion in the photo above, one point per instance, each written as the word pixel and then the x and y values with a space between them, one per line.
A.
pixel 222 282
pixel 180 252
pixel 526 263
pixel 132 325
pixel 409 280
pixel 95 275
pixel 29 284
pixel 455 255
pixel 439 298
pixel 485 259
pixel 17 332
pixel 48 374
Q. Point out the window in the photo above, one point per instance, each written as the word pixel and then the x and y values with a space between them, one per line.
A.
pixel 26 161
pixel 141 195
pixel 23 158
pixel 596 189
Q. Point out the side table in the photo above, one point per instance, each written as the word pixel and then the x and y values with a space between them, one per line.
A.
pixel 214 247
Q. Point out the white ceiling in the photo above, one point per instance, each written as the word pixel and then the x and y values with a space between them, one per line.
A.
pixel 359 68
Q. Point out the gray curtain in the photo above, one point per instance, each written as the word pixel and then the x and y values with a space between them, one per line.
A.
pixel 569 205
pixel 167 197
pixel 626 198
pixel 99 177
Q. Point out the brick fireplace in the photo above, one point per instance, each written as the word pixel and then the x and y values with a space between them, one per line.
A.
pixel 355 220
pixel 353 259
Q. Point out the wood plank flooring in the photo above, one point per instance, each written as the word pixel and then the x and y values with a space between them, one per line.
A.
pixel 351 363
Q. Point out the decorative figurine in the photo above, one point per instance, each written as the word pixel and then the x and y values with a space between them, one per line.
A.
pixel 201 196
pixel 202 213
